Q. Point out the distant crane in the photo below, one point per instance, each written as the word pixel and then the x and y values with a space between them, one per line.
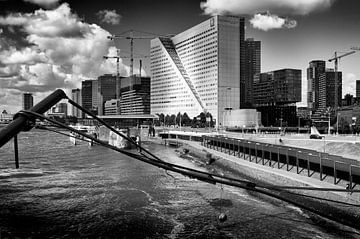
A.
pixel 118 57
pixel 130 35
pixel 336 59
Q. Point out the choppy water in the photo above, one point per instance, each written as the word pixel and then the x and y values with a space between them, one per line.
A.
pixel 66 191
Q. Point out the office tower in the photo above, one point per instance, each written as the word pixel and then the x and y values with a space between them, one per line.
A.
pixel 252 67
pixel 112 107
pixel 313 73
pixel 28 101
pixel 357 95
pixel 135 100
pixel 106 90
pixel 86 94
pixel 275 94
pixel 327 89
pixel 199 69
pixel 76 97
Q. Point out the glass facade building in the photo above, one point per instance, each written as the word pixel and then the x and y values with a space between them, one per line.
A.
pixel 28 101
pixel 199 69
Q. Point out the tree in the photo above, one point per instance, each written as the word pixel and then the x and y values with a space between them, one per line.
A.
pixel 178 119
pixel 172 119
pixel 185 120
pixel 167 120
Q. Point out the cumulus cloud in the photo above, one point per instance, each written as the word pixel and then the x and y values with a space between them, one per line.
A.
pixel 349 83
pixel 267 21
pixel 298 7
pixel 61 51
pixel 109 16
pixel 44 3
pixel 59 22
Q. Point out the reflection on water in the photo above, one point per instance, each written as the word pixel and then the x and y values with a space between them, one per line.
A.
pixel 66 191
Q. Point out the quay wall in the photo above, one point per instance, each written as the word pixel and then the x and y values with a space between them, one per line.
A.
pixel 235 167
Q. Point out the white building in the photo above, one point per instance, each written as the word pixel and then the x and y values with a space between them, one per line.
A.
pixel 76 97
pixel 199 69
pixel 112 107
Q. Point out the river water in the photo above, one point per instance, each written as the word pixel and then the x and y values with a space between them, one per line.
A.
pixel 67 191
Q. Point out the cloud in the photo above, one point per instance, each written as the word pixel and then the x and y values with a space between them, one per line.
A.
pixel 267 21
pixel 44 3
pixel 109 16
pixel 298 7
pixel 59 22
pixel 349 83
pixel 60 51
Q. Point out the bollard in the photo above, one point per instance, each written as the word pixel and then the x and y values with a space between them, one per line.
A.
pixel 320 163
pixel 16 151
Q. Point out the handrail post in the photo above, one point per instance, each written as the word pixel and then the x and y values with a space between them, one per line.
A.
pixel 16 151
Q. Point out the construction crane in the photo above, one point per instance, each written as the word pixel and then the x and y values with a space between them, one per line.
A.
pixel 118 57
pixel 336 59
pixel 131 37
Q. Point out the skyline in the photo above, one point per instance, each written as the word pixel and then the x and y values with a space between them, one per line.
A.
pixel 64 42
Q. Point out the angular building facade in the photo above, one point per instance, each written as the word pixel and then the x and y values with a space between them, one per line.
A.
pixel 252 67
pixel 199 69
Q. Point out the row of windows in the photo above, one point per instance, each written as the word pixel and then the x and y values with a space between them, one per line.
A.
pixel 184 42
pixel 199 43
pixel 155 49
pixel 203 68
pixel 172 106
pixel 194 55
pixel 191 64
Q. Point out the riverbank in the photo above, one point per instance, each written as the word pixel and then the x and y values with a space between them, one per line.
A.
pixel 232 166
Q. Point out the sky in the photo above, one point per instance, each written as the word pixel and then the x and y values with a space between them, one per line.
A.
pixel 50 44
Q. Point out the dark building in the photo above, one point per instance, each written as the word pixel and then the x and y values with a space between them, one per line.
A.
pixel 252 67
pixel 76 97
pixel 135 96
pixel 106 90
pixel 275 94
pixel 316 68
pixel 357 95
pixel 327 89
pixel 86 94
pixel 28 101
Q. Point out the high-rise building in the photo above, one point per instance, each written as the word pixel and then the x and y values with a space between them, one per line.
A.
pixel 252 67
pixel 112 107
pixel 135 96
pixel 106 90
pixel 313 73
pixel 357 95
pixel 86 95
pixel 76 97
pixel 275 94
pixel 199 69
pixel 327 89
pixel 277 87
pixel 27 101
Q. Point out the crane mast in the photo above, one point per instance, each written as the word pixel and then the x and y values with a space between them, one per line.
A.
pixel 336 59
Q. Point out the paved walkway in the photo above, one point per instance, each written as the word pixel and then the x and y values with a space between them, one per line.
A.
pixel 291 175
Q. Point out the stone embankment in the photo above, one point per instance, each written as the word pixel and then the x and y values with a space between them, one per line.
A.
pixel 348 210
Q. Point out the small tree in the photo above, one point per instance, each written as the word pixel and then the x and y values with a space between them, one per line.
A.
pixel 185 120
